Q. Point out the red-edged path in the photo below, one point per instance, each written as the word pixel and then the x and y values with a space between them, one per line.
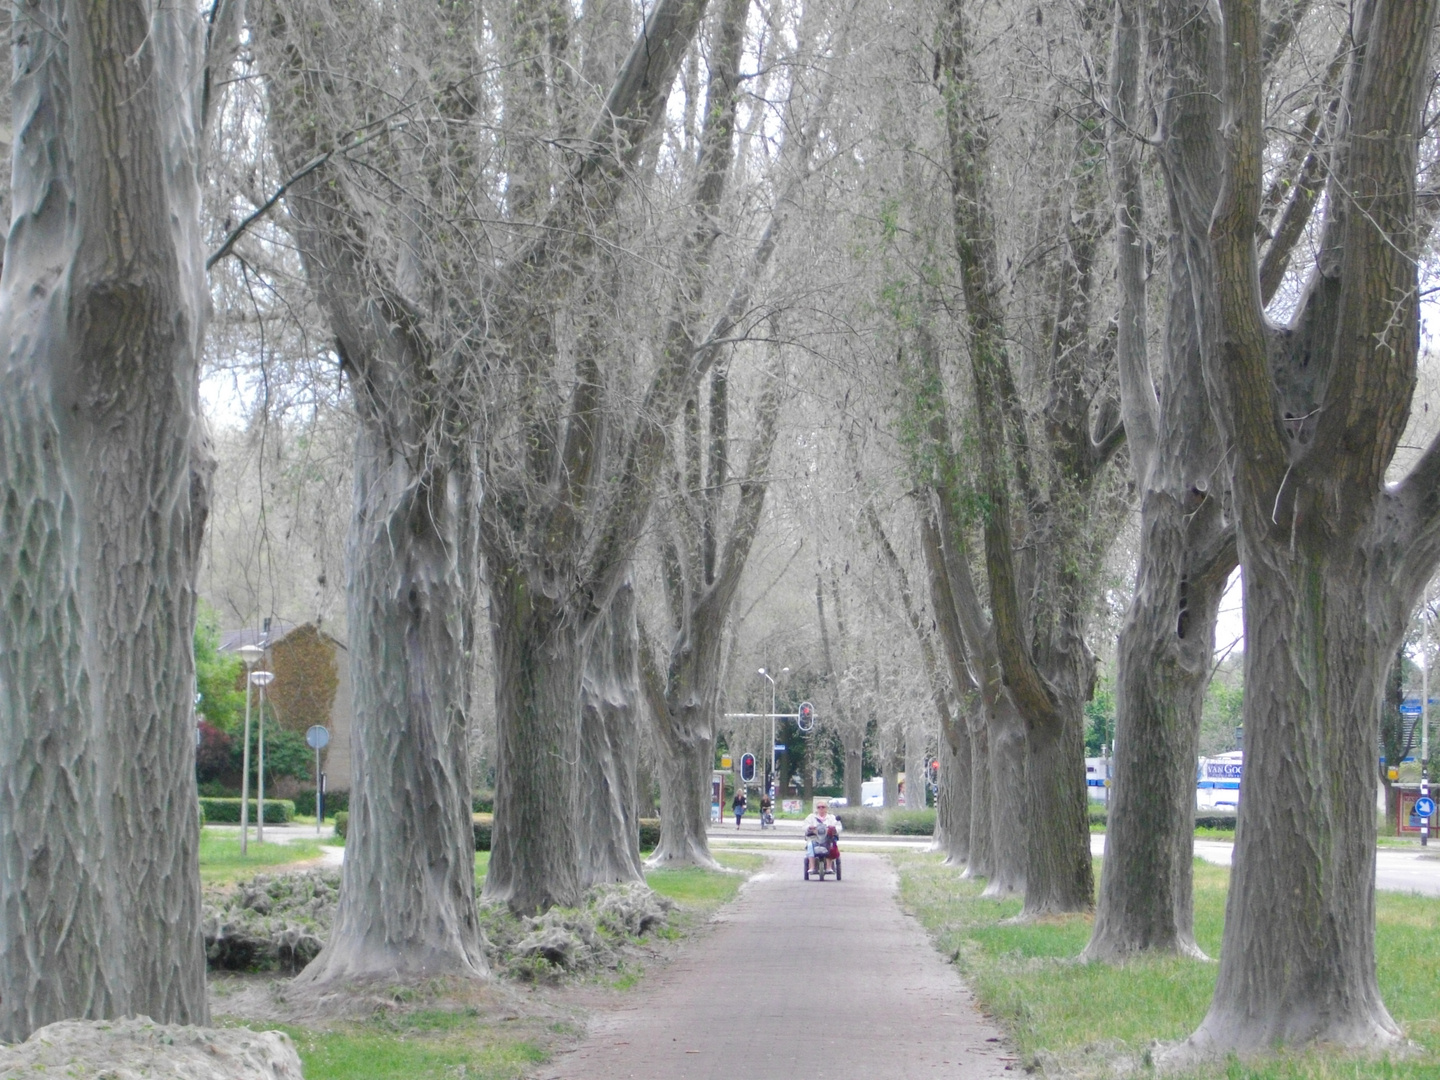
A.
pixel 800 979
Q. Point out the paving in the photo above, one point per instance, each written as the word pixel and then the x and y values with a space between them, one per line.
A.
pixel 798 979
pixel 1407 870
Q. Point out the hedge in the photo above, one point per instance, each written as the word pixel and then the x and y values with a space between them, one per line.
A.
pixel 1204 819
pixel 335 802
pixel 227 811
pixel 879 822
pixel 649 830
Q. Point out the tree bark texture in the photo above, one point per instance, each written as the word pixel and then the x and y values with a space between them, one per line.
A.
pixel 1333 559
pixel 611 705
pixel 1186 542
pixel 103 306
pixel 407 902
pixel 953 799
pixel 407 899
pixel 540 658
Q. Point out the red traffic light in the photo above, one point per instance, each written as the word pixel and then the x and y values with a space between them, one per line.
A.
pixel 747 768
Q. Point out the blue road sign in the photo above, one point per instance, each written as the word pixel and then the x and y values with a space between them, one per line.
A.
pixel 1425 806
pixel 1409 709
pixel 779 746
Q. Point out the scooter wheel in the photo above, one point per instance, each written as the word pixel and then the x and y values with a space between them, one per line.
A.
pixel 837 869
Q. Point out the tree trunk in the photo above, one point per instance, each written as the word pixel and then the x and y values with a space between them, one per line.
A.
pixel 540 658
pixel 890 764
pixel 1163 668
pixel 53 932
pixel 1333 556
pixel 952 802
pixel 981 863
pixel 609 750
pixel 852 738
pixel 104 304
pixel 1186 546
pixel 917 740
pixel 411 551
pixel 1059 874
pixel 1008 811
pixel 685 768
pixel 1298 959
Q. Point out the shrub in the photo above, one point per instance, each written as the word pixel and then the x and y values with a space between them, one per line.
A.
pixel 1215 819
pixel 861 819
pixel 911 822
pixel 342 823
pixel 482 802
pixel 880 822
pixel 277 811
pixel 649 831
pixel 335 802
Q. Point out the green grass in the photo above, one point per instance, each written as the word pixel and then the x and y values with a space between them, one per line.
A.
pixel 1085 1015
pixel 693 887
pixel 420 1045
pixel 221 861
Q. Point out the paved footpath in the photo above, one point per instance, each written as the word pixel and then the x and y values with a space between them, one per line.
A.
pixel 800 979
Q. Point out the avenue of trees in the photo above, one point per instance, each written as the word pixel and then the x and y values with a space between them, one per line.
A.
pixel 943 358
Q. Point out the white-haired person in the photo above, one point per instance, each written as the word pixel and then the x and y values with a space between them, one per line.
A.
pixel 821 832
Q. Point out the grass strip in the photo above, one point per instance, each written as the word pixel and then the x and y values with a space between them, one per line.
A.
pixel 430 1044
pixel 1082 1020
pixel 221 862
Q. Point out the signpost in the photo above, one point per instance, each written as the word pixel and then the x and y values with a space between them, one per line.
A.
pixel 318 737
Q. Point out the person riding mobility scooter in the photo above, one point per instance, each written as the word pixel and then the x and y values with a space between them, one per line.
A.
pixel 822 843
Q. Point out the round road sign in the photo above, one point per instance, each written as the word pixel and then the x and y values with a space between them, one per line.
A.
pixel 1425 806
pixel 317 737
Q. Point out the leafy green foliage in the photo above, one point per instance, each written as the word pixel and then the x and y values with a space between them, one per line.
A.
pixel 1100 718
pixel 218 680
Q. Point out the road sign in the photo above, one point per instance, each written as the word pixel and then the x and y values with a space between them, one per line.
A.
pixel 725 761
pixel 1425 806
pixel 1410 708
pixel 779 747
pixel 317 737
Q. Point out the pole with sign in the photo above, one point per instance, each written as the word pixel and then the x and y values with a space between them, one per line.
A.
pixel 318 737
pixel 1425 721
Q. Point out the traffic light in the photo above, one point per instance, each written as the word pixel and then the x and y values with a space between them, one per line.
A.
pixel 934 771
pixel 807 716
pixel 747 768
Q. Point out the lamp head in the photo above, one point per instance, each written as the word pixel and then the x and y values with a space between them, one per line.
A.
pixel 251 654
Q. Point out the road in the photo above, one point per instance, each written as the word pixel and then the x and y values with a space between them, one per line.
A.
pixel 1406 870
pixel 1396 869
pixel 797 979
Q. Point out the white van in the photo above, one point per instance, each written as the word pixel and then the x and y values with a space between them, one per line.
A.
pixel 872 792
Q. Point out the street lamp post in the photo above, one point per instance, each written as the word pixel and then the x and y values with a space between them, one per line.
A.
pixel 261 679
pixel 251 655
pixel 774 783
